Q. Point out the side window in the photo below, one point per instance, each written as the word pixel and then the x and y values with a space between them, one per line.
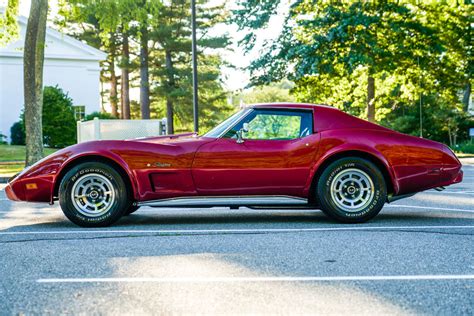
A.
pixel 276 124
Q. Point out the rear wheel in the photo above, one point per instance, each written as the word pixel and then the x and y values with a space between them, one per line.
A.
pixel 93 194
pixel 351 190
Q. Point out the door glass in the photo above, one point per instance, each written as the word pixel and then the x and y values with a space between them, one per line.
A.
pixel 274 126
pixel 270 124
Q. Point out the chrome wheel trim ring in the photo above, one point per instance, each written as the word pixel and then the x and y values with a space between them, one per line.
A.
pixel 352 190
pixel 93 195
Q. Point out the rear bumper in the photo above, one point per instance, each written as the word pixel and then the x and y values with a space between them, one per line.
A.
pixel 459 177
pixel 451 176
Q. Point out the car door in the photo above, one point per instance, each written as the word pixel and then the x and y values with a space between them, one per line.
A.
pixel 273 159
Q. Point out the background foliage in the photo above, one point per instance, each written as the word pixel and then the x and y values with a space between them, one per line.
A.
pixel 399 59
pixel 158 39
pixel 59 123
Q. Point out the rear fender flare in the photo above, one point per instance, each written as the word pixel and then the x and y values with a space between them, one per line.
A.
pixel 351 150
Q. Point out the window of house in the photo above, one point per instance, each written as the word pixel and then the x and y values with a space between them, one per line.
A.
pixel 79 112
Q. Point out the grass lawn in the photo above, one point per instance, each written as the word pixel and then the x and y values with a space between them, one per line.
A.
pixel 463 155
pixel 17 153
pixel 12 158
pixel 10 169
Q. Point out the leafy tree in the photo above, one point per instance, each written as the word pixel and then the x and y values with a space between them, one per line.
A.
pixel 157 56
pixel 105 24
pixel 414 53
pixel 277 92
pixel 171 59
pixel 3 139
pixel 339 38
pixel 8 23
pixel 17 133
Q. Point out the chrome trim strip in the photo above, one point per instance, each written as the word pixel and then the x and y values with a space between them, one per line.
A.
pixel 211 201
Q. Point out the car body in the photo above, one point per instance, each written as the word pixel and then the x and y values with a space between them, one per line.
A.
pixel 222 165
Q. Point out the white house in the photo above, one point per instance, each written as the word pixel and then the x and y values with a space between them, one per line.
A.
pixel 70 64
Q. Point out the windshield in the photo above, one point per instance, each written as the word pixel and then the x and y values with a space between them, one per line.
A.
pixel 222 127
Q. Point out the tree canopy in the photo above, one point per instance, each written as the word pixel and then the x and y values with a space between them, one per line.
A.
pixel 150 42
pixel 376 60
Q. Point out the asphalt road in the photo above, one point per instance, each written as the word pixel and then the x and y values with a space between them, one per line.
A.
pixel 417 257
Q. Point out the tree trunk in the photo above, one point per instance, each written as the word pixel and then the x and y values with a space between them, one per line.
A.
pixel 113 77
pixel 113 88
pixel 466 96
pixel 370 98
pixel 144 77
pixel 169 101
pixel 33 60
pixel 125 89
pixel 169 116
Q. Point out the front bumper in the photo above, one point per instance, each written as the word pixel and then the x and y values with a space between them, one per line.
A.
pixel 10 193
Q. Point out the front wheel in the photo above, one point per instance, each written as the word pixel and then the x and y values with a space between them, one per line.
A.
pixel 93 194
pixel 131 209
pixel 351 190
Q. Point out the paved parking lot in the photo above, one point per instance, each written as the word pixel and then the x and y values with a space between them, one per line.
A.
pixel 417 256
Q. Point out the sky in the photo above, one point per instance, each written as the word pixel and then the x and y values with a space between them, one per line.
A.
pixel 234 79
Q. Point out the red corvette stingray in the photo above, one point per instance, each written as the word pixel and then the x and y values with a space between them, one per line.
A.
pixel 265 156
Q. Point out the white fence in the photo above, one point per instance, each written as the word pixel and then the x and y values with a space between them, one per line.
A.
pixel 119 129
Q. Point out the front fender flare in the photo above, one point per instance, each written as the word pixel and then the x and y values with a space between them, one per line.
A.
pixel 90 156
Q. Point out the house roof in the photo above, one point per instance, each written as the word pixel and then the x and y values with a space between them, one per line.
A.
pixel 58 46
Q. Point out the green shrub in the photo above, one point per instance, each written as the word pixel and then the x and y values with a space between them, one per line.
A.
pixel 17 133
pixel 466 148
pixel 3 140
pixel 100 115
pixel 59 123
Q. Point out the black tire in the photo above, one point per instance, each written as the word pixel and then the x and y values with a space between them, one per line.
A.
pixel 131 209
pixel 344 190
pixel 91 180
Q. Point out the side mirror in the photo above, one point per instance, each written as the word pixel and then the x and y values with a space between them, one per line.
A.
pixel 244 129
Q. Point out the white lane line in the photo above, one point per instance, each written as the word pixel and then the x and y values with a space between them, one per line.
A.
pixel 258 230
pixel 431 208
pixel 262 279
pixel 450 192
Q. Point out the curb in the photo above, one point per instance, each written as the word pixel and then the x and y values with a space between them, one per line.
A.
pixel 467 161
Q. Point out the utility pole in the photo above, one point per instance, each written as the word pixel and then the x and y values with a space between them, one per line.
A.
pixel 421 116
pixel 421 104
pixel 195 78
